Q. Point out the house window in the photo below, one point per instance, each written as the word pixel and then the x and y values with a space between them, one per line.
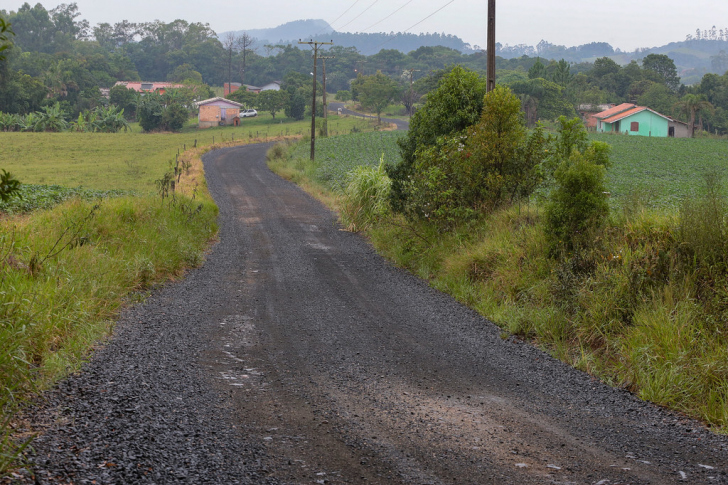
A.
pixel 634 126
pixel 147 86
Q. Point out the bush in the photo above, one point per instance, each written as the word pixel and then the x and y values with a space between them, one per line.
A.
pixel 174 117
pixel 455 105
pixel 578 206
pixel 492 164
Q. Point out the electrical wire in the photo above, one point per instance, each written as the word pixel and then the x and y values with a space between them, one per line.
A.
pixel 415 25
pixel 362 13
pixel 388 16
pixel 331 24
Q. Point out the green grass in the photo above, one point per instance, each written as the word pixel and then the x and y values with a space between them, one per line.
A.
pixel 134 160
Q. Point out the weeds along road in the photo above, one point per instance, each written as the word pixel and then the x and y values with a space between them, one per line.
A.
pixel 297 355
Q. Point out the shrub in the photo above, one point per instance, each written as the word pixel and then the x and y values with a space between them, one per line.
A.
pixel 578 206
pixel 455 105
pixel 343 95
pixel 465 175
pixel 174 117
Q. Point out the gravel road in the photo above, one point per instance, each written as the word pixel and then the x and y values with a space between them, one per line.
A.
pixel 401 124
pixel 297 355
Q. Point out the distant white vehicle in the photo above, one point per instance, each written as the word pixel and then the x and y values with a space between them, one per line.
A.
pixel 248 113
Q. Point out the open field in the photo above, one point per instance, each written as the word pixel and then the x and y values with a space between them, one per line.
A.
pixel 133 160
pixel 662 170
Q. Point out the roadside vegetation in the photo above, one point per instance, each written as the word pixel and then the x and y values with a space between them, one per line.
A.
pixel 607 251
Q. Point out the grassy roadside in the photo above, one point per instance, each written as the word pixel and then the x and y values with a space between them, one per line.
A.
pixel 644 309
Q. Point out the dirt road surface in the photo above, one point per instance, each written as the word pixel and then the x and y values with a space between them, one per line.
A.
pixel 296 355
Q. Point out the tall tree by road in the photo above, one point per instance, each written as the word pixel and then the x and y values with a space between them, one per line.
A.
pixel 376 92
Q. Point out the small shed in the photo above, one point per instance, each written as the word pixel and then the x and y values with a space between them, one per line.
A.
pixel 217 112
pixel 632 120
pixel 677 129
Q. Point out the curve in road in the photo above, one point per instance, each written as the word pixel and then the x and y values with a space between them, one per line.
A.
pixel 298 355
pixel 402 125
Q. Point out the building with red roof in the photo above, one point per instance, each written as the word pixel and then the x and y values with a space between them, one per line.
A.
pixel 631 119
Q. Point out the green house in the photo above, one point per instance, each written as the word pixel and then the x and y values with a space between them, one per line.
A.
pixel 633 120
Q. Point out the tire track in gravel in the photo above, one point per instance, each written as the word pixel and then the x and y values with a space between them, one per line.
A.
pixel 297 355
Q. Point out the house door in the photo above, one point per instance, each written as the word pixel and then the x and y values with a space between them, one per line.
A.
pixel 616 126
pixel 671 132
pixel 223 113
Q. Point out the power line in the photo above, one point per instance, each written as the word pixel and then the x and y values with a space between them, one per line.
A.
pixel 331 24
pixel 415 25
pixel 362 13
pixel 388 16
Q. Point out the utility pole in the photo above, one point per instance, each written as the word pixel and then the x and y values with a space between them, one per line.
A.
pixel 411 103
pixel 491 46
pixel 315 46
pixel 326 107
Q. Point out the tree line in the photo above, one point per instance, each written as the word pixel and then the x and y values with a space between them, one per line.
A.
pixel 59 58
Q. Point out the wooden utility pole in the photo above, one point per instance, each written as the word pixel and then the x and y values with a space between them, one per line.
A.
pixel 491 46
pixel 326 107
pixel 411 103
pixel 315 46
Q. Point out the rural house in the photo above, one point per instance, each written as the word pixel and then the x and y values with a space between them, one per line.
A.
pixel 149 87
pixel 218 112
pixel 637 120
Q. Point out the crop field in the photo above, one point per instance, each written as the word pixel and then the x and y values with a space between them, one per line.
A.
pixel 336 156
pixel 663 170
pixel 660 171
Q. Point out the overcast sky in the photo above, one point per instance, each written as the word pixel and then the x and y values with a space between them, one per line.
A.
pixel 626 24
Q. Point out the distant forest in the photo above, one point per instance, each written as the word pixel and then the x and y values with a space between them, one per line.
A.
pixel 57 57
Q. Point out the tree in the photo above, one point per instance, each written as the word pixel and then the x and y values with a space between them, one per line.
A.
pixel 469 173
pixel 124 98
pixel 377 92
pixel 5 33
pixel 245 45
pixel 184 72
pixel 455 105
pixel 149 111
pixel 537 70
pixel 691 105
pixel 562 73
pixel 174 117
pixel 664 67
pixel 273 101
pixel 296 106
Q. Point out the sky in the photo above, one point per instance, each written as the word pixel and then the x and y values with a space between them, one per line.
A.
pixel 626 24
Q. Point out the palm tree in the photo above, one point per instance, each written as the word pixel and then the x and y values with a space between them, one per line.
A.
pixel 691 105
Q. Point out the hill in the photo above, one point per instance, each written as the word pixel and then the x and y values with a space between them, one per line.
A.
pixel 367 44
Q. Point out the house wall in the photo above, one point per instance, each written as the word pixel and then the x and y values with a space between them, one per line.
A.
pixel 681 129
pixel 649 125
